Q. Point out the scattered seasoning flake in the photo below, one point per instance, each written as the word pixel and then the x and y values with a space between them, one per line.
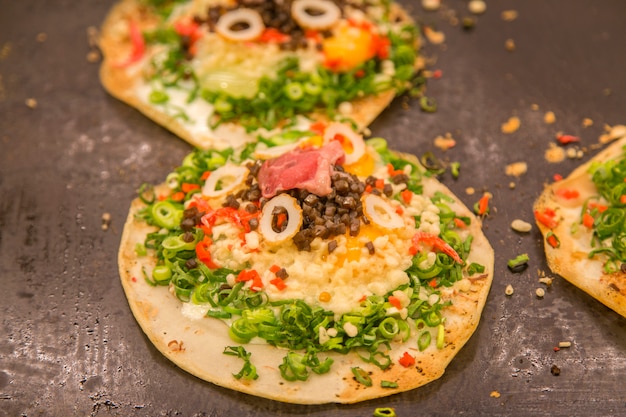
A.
pixel 534 107
pixel 512 185
pixel 509 290
pixel 509 15
pixel 565 344
pixel 106 221
pixel 555 370
pixel 540 292
pixel 444 142
pixel 477 6
pixel 470 191
pixel 587 122
pixel 41 37
pixel 521 226
pixel 554 153
pixel 549 118
pixel 431 5
pixel 31 103
pixel 511 126
pixel 434 37
pixel 494 394
pixel 509 45
pixel 546 280
pixel 516 169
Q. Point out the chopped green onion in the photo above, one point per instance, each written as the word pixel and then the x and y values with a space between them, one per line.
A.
pixel 384 412
pixel 423 341
pixel 361 376
pixel 161 274
pixel 248 371
pixel 440 336
pixel 519 263
pixel 166 214
pixel 388 384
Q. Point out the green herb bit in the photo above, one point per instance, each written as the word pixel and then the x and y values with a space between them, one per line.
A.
pixel 388 384
pixel 361 376
pixel 519 263
pixel 384 412
pixel 475 268
pixel 454 169
pixel 248 371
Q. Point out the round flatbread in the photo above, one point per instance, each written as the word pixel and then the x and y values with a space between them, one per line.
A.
pixel 582 220
pixel 276 303
pixel 217 86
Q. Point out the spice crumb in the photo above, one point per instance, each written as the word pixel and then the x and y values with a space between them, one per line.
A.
pixel 509 290
pixel 555 153
pixel 516 169
pixel 509 45
pixel 444 142
pixel 521 226
pixel 511 125
pixel 549 118
pixel 477 6
pixel 106 221
pixel 470 191
pixel 509 15
pixel 494 394
pixel 587 122
pixel 555 370
pixel 41 37
pixel 434 37
pixel 31 103
pixel 431 5
pixel 534 107
pixel 546 280
pixel 93 56
pixel 540 292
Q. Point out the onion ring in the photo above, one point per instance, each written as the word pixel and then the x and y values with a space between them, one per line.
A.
pixel 329 15
pixel 294 218
pixel 230 175
pixel 356 140
pixel 249 17
pixel 381 213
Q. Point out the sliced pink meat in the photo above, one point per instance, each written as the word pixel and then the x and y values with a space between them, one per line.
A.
pixel 307 169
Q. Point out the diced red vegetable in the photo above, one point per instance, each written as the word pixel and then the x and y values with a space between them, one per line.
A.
pixel 588 220
pixel 546 218
pixel 406 360
pixel 395 301
pixel 566 139
pixel 567 193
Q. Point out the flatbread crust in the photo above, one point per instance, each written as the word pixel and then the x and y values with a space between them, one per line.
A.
pixel 570 260
pixel 197 345
pixel 116 46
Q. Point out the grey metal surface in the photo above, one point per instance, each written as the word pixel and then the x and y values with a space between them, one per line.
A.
pixel 69 344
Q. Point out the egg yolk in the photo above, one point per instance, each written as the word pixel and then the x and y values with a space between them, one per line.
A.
pixel 349 47
pixel 354 245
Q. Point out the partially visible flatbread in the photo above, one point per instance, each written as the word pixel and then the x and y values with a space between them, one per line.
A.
pixel 197 345
pixel 125 83
pixel 570 259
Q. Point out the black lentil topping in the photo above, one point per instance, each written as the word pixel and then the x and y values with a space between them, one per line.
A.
pixel 275 14
pixel 337 213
